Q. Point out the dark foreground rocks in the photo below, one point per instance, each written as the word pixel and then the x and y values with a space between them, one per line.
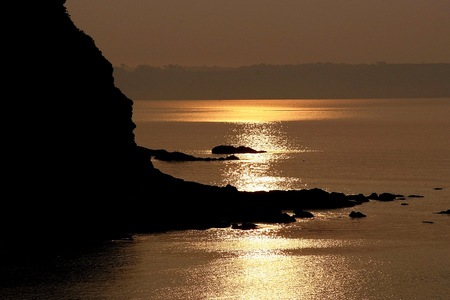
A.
pixel 188 205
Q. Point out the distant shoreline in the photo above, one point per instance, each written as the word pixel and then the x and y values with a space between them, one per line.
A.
pixel 302 81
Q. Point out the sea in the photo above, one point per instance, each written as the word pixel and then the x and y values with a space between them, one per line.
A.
pixel 401 250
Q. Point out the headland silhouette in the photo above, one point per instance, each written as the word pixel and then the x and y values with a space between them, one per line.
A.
pixel 75 175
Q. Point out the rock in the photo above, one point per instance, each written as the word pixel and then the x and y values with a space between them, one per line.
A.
pixel 301 214
pixel 225 149
pixel 428 222
pixel 404 204
pixel 244 226
pixel 231 188
pixel 358 199
pixel 373 196
pixel 415 196
pixel 438 189
pixel 165 155
pixel 386 197
pixel 444 212
pixel 356 214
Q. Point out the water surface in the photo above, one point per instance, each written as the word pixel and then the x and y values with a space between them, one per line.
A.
pixel 353 146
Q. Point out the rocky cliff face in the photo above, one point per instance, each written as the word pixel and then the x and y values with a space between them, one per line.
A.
pixel 72 158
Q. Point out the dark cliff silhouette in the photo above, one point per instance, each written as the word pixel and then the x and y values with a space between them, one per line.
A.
pixel 71 154
pixel 303 81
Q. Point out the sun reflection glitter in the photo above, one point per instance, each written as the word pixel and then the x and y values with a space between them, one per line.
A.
pixel 254 172
pixel 267 265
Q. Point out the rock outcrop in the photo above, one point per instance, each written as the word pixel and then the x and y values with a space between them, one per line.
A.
pixel 226 149
pixel 176 156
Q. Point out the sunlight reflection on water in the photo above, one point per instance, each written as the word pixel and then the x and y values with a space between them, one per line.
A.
pixel 243 110
pixel 255 172
pixel 262 264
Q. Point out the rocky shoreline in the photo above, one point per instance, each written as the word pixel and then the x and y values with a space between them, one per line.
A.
pixel 186 205
pixel 74 174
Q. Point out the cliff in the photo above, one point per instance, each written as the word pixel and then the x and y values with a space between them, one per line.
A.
pixel 72 158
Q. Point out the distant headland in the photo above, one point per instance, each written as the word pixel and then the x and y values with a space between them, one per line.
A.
pixel 301 81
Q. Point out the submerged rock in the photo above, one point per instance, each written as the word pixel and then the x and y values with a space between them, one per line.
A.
pixel 226 149
pixel 415 196
pixel 444 212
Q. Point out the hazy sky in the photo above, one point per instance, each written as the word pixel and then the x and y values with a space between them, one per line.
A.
pixel 246 32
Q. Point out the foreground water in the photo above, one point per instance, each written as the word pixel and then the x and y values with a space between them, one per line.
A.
pixel 353 146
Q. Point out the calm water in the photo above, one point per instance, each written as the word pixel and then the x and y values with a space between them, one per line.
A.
pixel 351 146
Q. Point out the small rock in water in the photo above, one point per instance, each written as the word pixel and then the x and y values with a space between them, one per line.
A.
pixel 427 222
pixel 356 214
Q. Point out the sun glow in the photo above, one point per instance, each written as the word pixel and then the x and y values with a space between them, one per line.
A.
pixel 238 111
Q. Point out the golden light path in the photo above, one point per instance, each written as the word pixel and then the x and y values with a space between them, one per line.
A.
pixel 264 266
pixel 256 264
pixel 256 172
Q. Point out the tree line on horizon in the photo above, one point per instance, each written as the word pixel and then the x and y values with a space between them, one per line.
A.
pixel 301 81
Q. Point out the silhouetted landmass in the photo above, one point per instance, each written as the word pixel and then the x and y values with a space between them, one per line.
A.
pixel 73 174
pixel 70 149
pixel 303 81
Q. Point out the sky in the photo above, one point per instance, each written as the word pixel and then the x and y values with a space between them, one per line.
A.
pixel 231 33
